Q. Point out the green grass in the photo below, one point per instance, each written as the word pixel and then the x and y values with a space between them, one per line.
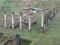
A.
pixel 50 37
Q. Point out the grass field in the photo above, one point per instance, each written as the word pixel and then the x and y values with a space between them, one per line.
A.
pixel 50 37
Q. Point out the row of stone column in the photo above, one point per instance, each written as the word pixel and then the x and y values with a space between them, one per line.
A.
pixel 47 17
pixel 5 20
pixel 20 17
pixel 29 22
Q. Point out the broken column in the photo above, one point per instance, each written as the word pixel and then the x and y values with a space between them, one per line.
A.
pixel 45 20
pixel 15 38
pixel 48 17
pixel 54 12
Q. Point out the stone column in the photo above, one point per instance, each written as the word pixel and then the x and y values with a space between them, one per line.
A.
pixel 12 20
pixel 5 20
pixel 42 19
pixel 49 17
pixel 42 22
pixel 20 21
pixel 29 27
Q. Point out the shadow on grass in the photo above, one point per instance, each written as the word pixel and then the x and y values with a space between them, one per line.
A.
pixel 22 42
